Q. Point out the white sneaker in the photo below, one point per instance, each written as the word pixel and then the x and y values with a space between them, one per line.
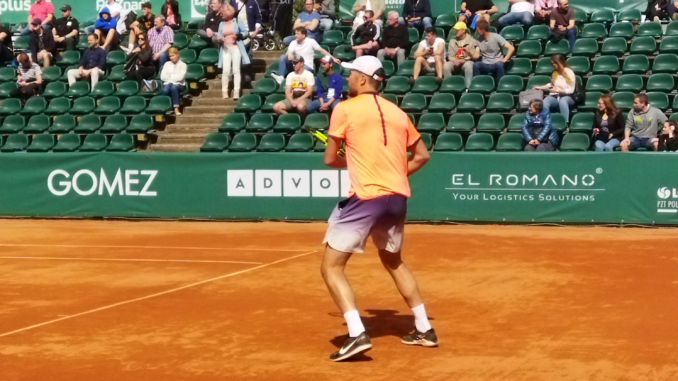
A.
pixel 126 50
pixel 278 78
pixel 236 94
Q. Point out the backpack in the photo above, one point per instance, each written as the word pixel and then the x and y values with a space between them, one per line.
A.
pixel 578 94
pixel 149 86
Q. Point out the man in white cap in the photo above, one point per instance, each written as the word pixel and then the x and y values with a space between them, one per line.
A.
pixel 330 84
pixel 377 136
pixel 461 53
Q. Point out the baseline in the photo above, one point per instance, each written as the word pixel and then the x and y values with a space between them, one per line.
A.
pixel 133 260
pixel 144 247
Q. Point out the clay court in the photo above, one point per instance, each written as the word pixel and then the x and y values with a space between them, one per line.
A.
pixel 118 300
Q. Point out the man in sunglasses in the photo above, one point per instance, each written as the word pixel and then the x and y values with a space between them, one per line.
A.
pixel 66 29
pixel 366 38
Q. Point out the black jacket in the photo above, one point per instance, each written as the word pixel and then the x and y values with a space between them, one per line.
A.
pixel 667 144
pixel 47 40
pixel 143 59
pixel 615 125
pixel 417 8
pixel 395 36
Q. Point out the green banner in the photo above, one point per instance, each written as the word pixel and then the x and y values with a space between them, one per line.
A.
pixel 492 187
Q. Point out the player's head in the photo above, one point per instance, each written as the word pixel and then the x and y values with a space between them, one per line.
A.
pixel 367 73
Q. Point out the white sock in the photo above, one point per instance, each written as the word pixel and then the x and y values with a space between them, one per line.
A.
pixel 420 319
pixel 130 46
pixel 355 325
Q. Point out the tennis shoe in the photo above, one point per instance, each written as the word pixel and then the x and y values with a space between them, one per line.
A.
pixel 352 346
pixel 278 78
pixel 426 339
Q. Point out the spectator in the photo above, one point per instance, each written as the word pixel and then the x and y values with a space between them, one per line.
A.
pixel 673 15
pixel 231 33
pixel 395 39
pixel 42 10
pixel 140 64
pixel 142 24
pixel 105 29
pixel 378 7
pixel 537 129
pixel 113 8
pixel 6 45
pixel 476 10
pixel 42 44
pixel 66 29
pixel 608 127
pixel 642 125
pixel 492 58
pixel 461 53
pixel 29 78
pixel 309 19
pixel 92 63
pixel 210 28
pixel 562 23
pixel 522 11
pixel 657 10
pixel 668 141
pixel 298 89
pixel 250 18
pixel 368 34
pixel 430 55
pixel 417 13
pixel 160 38
pixel 330 86
pixel 173 77
pixel 542 11
pixel 561 87
pixel 303 47
pixel 328 12
pixel 170 10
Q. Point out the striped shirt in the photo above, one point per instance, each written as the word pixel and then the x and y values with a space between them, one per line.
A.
pixel 158 39
pixel 30 74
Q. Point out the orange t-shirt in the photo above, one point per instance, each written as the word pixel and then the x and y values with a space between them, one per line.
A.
pixel 377 134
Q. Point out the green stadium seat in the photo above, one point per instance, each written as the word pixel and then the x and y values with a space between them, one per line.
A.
pixel 83 105
pixel 665 63
pixel 538 32
pixel 519 66
pixel 623 100
pixel 260 123
pixel 538 80
pixel 622 29
pixel 94 143
pixel 159 104
pixel 651 29
pixel 64 73
pixel 133 105
pixel 512 84
pixel 630 82
pixel 442 102
pixel 425 85
pixel 272 142
pixel 188 56
pixel 13 124
pixel 140 124
pixel 558 122
pixel 82 42
pixel 602 16
pixel 660 82
pixel 7 88
pixel 63 124
pixel 127 89
pixel 428 140
pixel 471 102
pixel 399 85
pixel 544 66
pixel 21 43
pixel 440 33
pixel 265 86
pixel 632 15
pixel 319 146
pixel 561 47
pixel 413 35
pixel 115 57
pixel 644 45
pixel 209 58
pixel 216 142
pixel 102 89
pixel 585 47
pixel 449 142
pixel 114 124
pixel 332 38
pixel 599 82
pixel 54 89
pixel 58 106
pixel 300 143
pixel 51 74
pixel 121 143
pixel 14 143
pixel 606 65
pixel 669 44
pixel 636 64
pixel 67 143
pixel 582 122
pixel 198 43
pixel 88 124
pixel 41 143
pixel 69 58
pixel 267 107
pixel 344 53
pixel 181 41
pixel 390 97
pixel 491 123
pixel 454 84
pixel 575 142
pixel 658 99
pixel 516 122
pixel 590 101
pixel 10 106
pixel 461 122
pixel 480 142
pixel 348 40
pixel 108 105
pixel 389 68
pixel 672 29
pixel 194 73
pixel 510 142
pixel 594 30
pixel 34 106
pixel 286 123
pixel 243 142
pixel 580 16
pixel 615 46
pixel 7 74
pixel 513 33
pixel 78 89
pixel 317 122
pixel 446 20
pixel 38 124
pixel 580 65
pixel 431 122
pixel 236 122
pixel 115 74
pixel 529 49
pixel 501 102
pixel 483 84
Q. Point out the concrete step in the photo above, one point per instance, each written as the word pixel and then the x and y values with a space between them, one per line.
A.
pixel 176 147
pixel 182 139
pixel 217 103
pixel 200 111
pixel 197 129
pixel 263 54
pixel 213 119
pixel 216 93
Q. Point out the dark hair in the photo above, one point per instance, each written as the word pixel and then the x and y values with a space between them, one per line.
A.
pixel 673 123
pixel 483 25
pixel 94 35
pixel 146 5
pixel 560 59
pixel 642 97
pixel 538 104
pixel 371 13
pixel 23 58
pixel 301 30
pixel 431 30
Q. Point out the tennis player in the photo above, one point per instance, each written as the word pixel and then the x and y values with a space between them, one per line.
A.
pixel 377 136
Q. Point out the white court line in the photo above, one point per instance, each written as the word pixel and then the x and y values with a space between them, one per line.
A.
pixel 157 294
pixel 143 247
pixel 132 260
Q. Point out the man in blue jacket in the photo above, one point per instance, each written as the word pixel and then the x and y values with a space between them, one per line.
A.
pixel 417 13
pixel 92 63
pixel 330 85
pixel 105 29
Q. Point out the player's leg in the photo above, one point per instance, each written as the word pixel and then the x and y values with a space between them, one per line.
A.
pixel 332 269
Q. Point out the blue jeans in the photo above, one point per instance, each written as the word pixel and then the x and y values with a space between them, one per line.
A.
pixel 571 37
pixel 326 23
pixel 27 30
pixel 89 29
pixel 426 21
pixel 609 146
pixel 175 91
pixel 164 57
pixel 285 66
pixel 314 107
pixel 496 69
pixel 640 142
pixel 525 18
pixel 563 105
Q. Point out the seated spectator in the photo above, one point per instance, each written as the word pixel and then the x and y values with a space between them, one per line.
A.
pixel 522 11
pixel 395 39
pixel 430 55
pixel 492 58
pixel 231 33
pixel 309 19
pixel 563 23
pixel 673 15
pixel 328 12
pixel 537 129
pixel 92 63
pixel 378 7
pixel 249 13
pixel 140 64
pixel 173 77
pixel 105 29
pixel 330 86
pixel 542 11
pixel 301 46
pixel 476 10
pixel 66 29
pixel 210 28
pixel 29 78
pixel 170 11
pixel 42 10
pixel 461 53
pixel 608 127
pixel 113 8
pixel 6 45
pixel 298 89
pixel 42 44
pixel 668 141
pixel 561 87
pixel 160 38
pixel 657 10
pixel 417 13
pixel 642 125
pixel 142 24
pixel 365 39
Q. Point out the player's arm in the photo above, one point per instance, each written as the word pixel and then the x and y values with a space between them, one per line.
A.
pixel 332 159
pixel 418 158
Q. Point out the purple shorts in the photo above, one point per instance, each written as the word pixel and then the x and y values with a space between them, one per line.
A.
pixel 353 220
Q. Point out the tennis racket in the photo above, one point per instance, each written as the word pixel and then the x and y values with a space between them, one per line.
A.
pixel 323 138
